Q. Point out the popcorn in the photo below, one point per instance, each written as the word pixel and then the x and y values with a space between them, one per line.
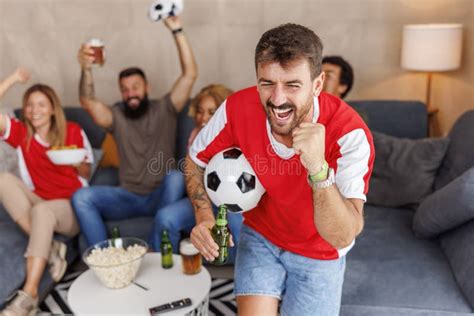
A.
pixel 116 267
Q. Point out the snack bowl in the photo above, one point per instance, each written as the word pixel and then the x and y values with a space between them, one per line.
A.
pixel 116 262
pixel 66 156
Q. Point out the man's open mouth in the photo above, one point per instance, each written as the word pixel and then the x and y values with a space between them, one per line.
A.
pixel 282 115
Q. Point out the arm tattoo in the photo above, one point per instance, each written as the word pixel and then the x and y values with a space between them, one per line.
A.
pixel 86 85
pixel 195 187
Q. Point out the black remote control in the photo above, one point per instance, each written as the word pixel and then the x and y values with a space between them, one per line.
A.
pixel 170 306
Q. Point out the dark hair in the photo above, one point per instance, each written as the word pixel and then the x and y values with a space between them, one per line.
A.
pixel 289 42
pixel 130 72
pixel 347 74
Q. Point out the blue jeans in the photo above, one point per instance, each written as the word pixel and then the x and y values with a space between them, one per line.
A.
pixel 305 286
pixel 96 204
pixel 179 218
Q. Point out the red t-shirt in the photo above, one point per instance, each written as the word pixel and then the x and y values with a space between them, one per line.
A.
pixel 285 214
pixel 47 180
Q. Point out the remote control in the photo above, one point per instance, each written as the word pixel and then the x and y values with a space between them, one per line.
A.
pixel 170 306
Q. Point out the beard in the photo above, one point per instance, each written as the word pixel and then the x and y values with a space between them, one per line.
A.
pixel 139 111
pixel 286 129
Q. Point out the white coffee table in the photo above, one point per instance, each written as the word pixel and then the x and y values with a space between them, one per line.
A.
pixel 87 296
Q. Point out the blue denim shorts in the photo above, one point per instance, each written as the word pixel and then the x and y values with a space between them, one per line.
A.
pixel 304 285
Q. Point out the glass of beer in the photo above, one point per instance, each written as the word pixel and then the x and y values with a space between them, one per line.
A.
pixel 190 256
pixel 97 47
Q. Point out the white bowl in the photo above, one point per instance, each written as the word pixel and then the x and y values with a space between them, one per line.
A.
pixel 67 156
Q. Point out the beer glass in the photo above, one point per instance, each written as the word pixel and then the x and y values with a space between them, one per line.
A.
pixel 190 257
pixel 97 46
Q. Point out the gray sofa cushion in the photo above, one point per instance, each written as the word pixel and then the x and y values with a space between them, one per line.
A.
pixel 460 154
pixel 13 243
pixel 105 176
pixel 458 245
pixel 404 169
pixel 98 154
pixel 447 208
pixel 407 119
pixel 12 246
pixel 389 267
pixel 356 310
pixel 8 158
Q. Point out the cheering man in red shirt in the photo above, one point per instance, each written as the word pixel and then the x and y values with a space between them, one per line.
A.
pixel 314 156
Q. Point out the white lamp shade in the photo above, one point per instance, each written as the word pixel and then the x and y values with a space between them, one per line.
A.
pixel 432 47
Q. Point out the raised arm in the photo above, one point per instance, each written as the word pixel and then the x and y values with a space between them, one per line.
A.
pixel 101 113
pixel 337 219
pixel 200 235
pixel 20 75
pixel 3 123
pixel 181 90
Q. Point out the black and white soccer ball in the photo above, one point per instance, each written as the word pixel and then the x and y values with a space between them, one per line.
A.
pixel 229 179
pixel 161 9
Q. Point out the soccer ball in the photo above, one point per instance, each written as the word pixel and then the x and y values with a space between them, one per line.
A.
pixel 229 179
pixel 161 9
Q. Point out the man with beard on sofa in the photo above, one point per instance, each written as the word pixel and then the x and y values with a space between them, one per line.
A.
pixel 145 133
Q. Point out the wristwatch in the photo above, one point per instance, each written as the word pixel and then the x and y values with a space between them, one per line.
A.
pixel 324 183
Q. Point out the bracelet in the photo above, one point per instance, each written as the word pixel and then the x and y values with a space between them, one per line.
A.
pixel 177 31
pixel 321 175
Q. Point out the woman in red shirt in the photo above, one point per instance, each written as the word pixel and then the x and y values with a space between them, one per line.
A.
pixel 39 201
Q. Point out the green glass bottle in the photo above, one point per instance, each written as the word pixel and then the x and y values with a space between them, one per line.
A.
pixel 166 251
pixel 221 235
pixel 116 239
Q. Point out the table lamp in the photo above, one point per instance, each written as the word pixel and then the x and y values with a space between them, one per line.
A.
pixel 431 48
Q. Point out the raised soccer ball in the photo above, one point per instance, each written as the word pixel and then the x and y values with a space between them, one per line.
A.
pixel 161 9
pixel 229 179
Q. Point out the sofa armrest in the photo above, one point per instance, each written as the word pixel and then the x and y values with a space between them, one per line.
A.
pixel 458 246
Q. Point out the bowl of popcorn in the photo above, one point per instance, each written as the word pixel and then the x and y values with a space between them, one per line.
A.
pixel 116 262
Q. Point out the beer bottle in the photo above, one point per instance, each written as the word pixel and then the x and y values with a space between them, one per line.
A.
pixel 166 251
pixel 116 240
pixel 221 235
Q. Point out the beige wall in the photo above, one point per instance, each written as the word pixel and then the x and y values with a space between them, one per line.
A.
pixel 44 35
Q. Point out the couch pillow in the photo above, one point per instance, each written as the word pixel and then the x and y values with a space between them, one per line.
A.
pixel 460 154
pixel 109 148
pixel 8 158
pixel 447 208
pixel 98 155
pixel 404 169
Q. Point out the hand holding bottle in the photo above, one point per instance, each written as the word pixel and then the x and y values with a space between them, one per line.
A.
pixel 201 238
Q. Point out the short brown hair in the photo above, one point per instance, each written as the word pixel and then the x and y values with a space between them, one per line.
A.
pixel 217 92
pixel 57 130
pixel 289 42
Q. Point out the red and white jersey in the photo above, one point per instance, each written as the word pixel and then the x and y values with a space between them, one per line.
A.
pixel 47 180
pixel 285 213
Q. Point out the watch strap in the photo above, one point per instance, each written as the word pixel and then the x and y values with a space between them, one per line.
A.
pixel 331 179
